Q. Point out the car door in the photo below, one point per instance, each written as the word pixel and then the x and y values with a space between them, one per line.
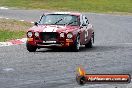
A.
pixel 88 31
pixel 82 29
pixel 85 28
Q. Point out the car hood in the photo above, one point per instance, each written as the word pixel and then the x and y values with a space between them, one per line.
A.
pixel 53 28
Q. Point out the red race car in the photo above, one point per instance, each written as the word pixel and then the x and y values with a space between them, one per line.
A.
pixel 60 29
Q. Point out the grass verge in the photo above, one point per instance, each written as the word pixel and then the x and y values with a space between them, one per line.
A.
pixel 12 29
pixel 73 5
pixel 6 35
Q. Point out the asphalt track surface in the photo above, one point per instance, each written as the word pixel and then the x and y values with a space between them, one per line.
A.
pixel 112 53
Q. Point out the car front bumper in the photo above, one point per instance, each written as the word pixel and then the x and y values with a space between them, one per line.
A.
pixel 48 44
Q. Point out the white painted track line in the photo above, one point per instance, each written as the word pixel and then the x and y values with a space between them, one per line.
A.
pixel 4 8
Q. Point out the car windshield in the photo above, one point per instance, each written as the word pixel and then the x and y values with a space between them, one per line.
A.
pixel 59 19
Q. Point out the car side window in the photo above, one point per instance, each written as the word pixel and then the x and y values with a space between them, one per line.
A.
pixel 85 21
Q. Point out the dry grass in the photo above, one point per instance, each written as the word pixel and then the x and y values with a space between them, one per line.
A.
pixel 13 25
pixel 12 29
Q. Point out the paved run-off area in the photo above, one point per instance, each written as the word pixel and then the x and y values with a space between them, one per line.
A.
pixel 112 53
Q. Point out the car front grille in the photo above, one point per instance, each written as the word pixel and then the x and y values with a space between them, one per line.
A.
pixel 49 36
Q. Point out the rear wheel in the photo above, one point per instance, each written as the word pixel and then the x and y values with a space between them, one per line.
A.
pixel 89 44
pixel 76 46
pixel 31 48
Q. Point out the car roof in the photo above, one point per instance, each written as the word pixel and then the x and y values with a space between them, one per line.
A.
pixel 70 13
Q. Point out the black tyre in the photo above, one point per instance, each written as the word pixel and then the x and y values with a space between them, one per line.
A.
pixel 89 44
pixel 31 48
pixel 93 37
pixel 76 46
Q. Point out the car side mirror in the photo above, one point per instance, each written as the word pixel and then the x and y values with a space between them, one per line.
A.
pixel 81 26
pixel 84 24
pixel 36 23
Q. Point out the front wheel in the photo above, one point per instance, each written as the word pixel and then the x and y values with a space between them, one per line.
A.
pixel 31 48
pixel 76 46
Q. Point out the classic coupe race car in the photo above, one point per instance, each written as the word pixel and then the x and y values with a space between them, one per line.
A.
pixel 60 29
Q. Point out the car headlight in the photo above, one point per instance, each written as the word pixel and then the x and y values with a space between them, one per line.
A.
pixel 62 35
pixel 69 35
pixel 29 34
pixel 36 34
